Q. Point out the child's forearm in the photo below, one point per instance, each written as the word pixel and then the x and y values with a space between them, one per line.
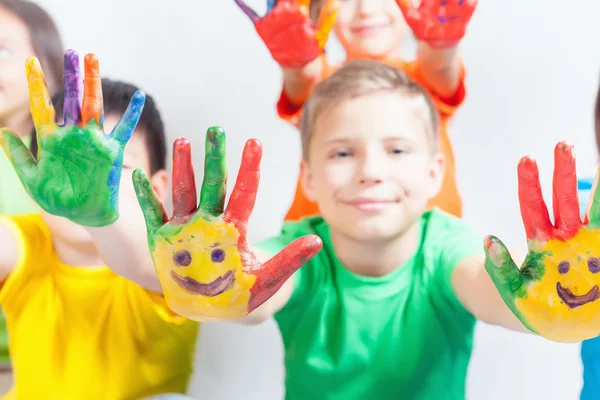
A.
pixel 298 84
pixel 477 293
pixel 440 68
pixel 124 248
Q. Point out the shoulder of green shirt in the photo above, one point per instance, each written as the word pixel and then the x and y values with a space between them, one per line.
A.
pixel 449 241
pixel 290 231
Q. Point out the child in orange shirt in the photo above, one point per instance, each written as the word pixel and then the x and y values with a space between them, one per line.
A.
pixel 369 29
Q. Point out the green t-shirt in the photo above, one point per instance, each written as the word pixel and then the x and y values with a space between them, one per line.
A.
pixel 13 200
pixel 401 336
pixel 13 197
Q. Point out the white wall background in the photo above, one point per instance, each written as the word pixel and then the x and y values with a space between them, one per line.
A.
pixel 533 70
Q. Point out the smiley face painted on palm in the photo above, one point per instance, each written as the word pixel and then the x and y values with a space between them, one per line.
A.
pixel 556 292
pixel 201 256
pixel 200 261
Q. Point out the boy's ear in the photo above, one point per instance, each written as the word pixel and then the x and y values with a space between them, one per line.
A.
pixel 306 181
pixel 437 171
pixel 160 184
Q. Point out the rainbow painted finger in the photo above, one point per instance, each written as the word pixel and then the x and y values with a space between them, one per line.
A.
pixel 440 23
pixel 78 168
pixel 288 31
pixel 201 255
pixel 556 293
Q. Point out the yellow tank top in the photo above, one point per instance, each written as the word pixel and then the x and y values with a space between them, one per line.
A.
pixel 85 332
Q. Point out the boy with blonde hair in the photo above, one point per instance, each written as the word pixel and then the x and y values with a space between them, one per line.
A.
pixel 387 308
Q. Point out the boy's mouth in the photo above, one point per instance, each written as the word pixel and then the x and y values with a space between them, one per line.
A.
pixel 368 204
pixel 368 30
pixel 211 289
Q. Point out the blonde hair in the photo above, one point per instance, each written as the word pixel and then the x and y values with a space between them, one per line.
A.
pixel 361 78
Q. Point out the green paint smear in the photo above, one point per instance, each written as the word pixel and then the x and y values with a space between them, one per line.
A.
pixel 77 176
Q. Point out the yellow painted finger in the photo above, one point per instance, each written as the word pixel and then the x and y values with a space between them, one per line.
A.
pixel 303 5
pixel 326 21
pixel 42 110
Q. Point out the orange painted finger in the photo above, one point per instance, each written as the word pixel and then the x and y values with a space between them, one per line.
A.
pixel 92 107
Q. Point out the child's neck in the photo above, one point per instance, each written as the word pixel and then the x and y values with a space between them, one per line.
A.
pixel 77 254
pixel 375 258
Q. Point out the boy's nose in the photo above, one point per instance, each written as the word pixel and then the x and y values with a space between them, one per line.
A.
pixel 370 171
pixel 367 7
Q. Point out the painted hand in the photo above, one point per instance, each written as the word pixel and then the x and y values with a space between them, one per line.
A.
pixel 439 23
pixel 288 31
pixel 78 167
pixel 557 290
pixel 203 261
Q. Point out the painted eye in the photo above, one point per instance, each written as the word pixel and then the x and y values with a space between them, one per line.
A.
pixel 563 267
pixel 217 255
pixel 594 264
pixel 182 258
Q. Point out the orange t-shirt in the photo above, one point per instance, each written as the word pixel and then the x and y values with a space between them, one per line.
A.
pixel 448 198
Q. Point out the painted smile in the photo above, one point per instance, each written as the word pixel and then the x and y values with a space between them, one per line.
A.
pixel 211 289
pixel 572 300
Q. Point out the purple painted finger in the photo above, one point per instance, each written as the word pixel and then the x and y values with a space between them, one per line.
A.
pixel 248 11
pixel 73 88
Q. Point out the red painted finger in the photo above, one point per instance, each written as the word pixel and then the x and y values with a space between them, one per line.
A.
pixel 534 211
pixel 565 199
pixel 273 274
pixel 243 196
pixel 185 201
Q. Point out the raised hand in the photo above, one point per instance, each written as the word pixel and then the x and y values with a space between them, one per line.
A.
pixel 556 293
pixel 439 23
pixel 203 261
pixel 289 33
pixel 78 167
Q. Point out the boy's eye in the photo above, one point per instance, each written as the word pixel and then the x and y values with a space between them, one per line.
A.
pixel 398 151
pixel 341 154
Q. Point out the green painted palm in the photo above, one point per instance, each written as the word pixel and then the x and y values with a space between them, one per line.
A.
pixel 78 171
